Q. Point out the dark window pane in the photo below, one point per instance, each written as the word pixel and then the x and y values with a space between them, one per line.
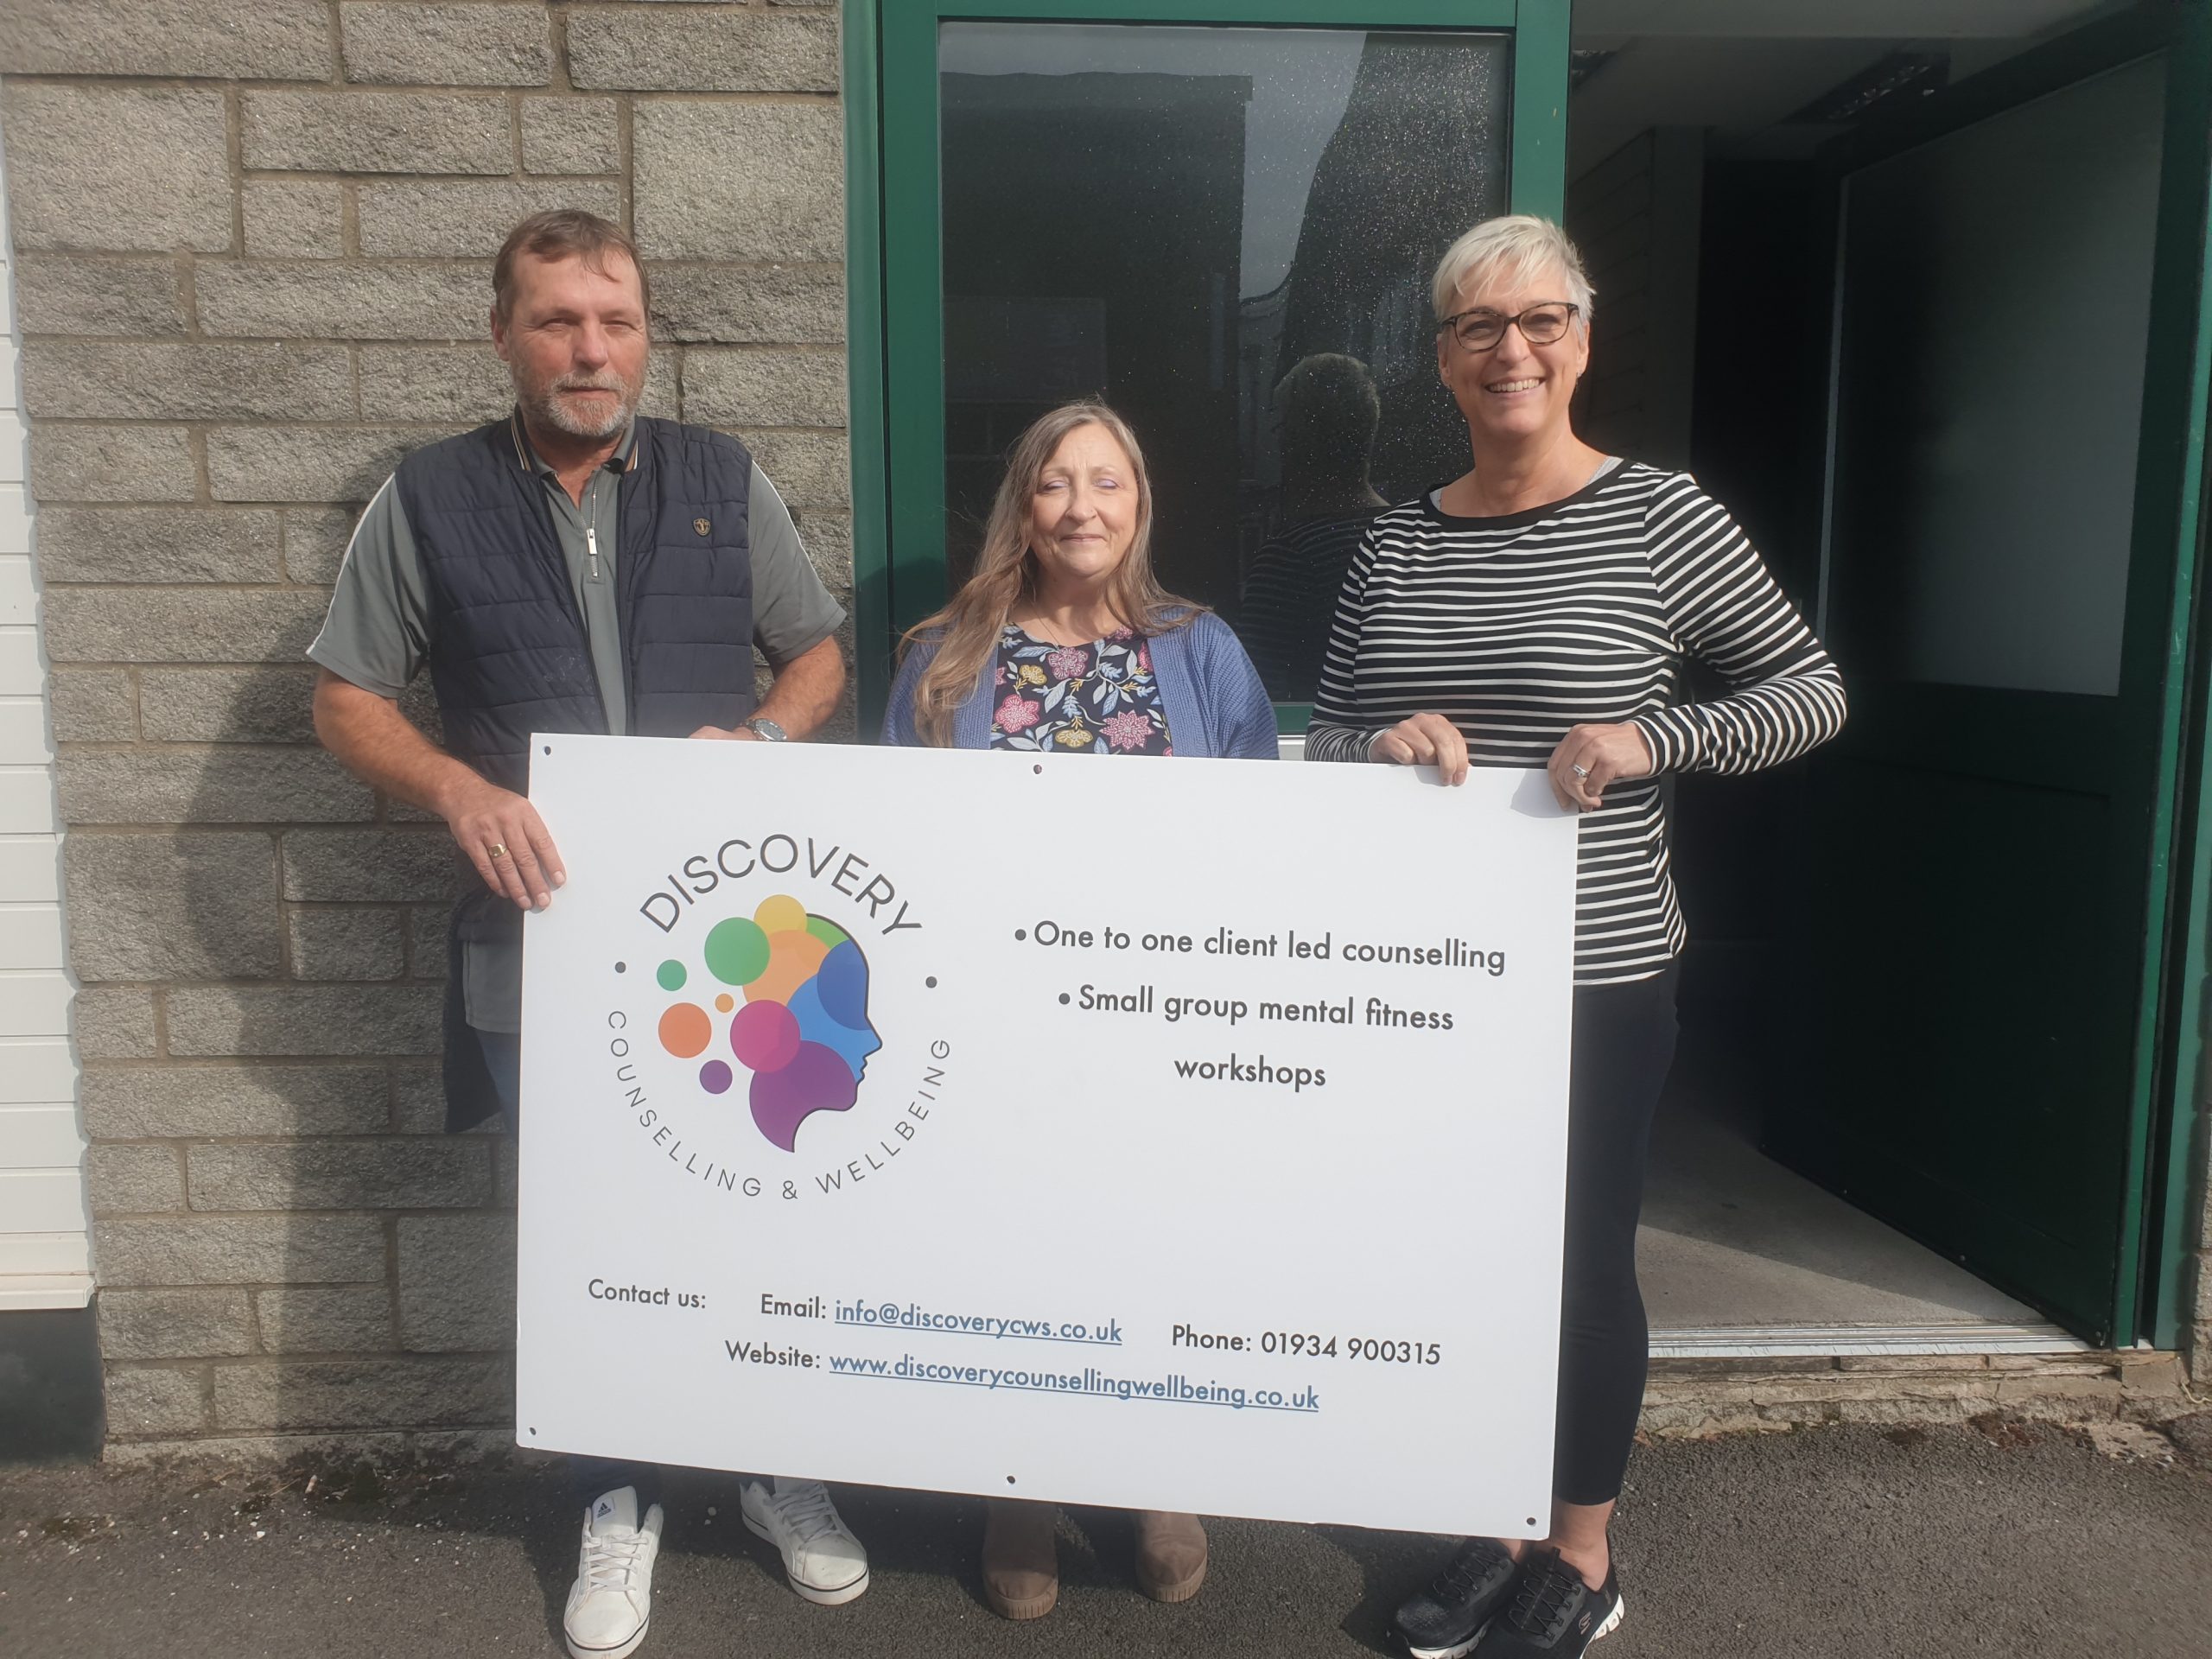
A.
pixel 1227 234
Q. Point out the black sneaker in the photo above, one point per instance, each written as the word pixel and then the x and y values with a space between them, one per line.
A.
pixel 1553 1612
pixel 1445 1620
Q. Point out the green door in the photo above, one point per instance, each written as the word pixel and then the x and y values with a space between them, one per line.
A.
pixel 1221 216
pixel 2005 587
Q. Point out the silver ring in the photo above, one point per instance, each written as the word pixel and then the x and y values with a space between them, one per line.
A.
pixel 1579 771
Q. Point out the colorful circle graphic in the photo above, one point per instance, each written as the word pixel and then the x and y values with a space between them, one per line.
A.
pixel 803 1029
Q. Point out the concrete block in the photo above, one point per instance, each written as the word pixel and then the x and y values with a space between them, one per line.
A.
pixel 220 40
pixel 377 132
pixel 447 45
pixel 370 865
pixel 321 463
pixel 336 1320
pixel 418 1096
pixel 163 380
pixel 111 463
pixel 294 218
pixel 449 217
pixel 240 1250
pixel 415 1172
pixel 453 386
pixel 346 302
pixel 828 537
pixel 737 304
pixel 457 1281
pixel 149 1400
pixel 161 544
pixel 185 1102
pixel 808 469
pixel 349 943
pixel 426 941
pixel 314 541
pixel 114 1022
pixel 116 168
pixel 305 1021
pixel 197 1323
pixel 128 1181
pixel 717 180
pixel 363 1394
pixel 157 906
pixel 93 705
pixel 228 705
pixel 800 387
pixel 571 135
pixel 666 49
pixel 2064 1399
pixel 91 625
pixel 209 786
pixel 56 294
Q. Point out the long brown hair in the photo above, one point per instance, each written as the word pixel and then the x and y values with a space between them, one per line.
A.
pixel 967 630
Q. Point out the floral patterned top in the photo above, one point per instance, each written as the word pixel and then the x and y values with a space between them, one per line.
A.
pixel 1102 698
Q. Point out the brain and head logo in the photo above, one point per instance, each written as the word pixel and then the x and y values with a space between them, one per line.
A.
pixel 795 990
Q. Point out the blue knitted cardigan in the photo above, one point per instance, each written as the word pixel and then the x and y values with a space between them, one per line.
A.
pixel 1216 706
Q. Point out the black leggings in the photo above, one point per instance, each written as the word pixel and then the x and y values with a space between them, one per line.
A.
pixel 1624 1043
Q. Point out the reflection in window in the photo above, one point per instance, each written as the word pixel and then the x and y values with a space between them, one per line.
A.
pixel 1227 234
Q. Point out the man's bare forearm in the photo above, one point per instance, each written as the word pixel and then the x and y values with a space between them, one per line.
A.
pixel 806 690
pixel 381 746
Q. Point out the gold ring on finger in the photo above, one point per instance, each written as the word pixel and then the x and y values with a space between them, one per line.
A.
pixel 498 849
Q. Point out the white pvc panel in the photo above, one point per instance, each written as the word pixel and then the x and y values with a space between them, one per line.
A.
pixel 22 732
pixel 30 936
pixel 41 1200
pixel 37 1070
pixel 15 451
pixel 18 603
pixel 26 800
pixel 41 1137
pixel 31 869
pixel 65 1250
pixel 15 519
pixel 34 1004
pixel 20 673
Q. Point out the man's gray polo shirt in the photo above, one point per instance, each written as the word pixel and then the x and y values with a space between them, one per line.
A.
pixel 377 632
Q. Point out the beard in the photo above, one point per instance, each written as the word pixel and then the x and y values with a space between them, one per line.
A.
pixel 545 405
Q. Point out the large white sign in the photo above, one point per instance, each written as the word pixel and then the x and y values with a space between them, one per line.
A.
pixel 1178 1135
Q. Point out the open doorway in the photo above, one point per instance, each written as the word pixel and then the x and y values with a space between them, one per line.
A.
pixel 1826 238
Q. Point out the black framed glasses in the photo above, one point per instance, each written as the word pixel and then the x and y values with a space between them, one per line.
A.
pixel 1539 324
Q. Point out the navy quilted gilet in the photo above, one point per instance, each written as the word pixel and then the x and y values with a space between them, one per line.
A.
pixel 508 654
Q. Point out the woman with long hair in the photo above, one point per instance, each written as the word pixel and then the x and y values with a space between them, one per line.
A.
pixel 1065 641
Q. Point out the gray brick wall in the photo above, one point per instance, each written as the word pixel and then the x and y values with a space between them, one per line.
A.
pixel 255 240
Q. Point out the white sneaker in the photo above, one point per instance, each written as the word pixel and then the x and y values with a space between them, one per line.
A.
pixel 611 1601
pixel 825 1562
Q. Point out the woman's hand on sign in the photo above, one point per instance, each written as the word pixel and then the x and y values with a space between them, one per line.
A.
pixel 1590 757
pixel 506 841
pixel 1423 740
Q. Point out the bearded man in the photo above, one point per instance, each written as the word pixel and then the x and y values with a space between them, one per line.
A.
pixel 574 566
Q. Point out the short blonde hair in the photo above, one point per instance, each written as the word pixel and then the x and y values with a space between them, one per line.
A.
pixel 1520 242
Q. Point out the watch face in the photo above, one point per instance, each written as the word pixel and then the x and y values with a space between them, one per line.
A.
pixel 769 729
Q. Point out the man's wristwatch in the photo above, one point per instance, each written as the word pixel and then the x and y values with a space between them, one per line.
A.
pixel 766 730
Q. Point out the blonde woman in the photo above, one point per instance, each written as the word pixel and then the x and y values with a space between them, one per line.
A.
pixel 1063 640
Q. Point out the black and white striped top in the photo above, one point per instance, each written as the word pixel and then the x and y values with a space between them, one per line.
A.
pixel 1516 629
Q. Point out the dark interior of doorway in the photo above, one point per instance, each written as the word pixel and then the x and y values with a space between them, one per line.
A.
pixel 1711 238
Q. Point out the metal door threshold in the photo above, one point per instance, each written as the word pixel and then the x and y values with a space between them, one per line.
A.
pixel 1836 1341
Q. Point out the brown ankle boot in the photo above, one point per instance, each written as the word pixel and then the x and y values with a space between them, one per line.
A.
pixel 1021 1573
pixel 1170 1555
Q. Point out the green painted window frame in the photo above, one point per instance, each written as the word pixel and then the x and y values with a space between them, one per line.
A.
pixel 891 187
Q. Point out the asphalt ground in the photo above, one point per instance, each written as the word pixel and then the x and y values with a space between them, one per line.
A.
pixel 2006 1539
